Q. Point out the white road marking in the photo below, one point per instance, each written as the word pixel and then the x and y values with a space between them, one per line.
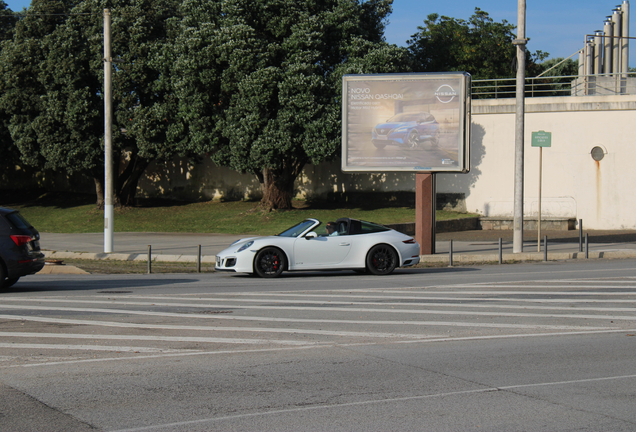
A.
pixel 139 337
pixel 89 348
pixel 348 303
pixel 546 285
pixel 416 296
pixel 493 292
pixel 314 346
pixel 330 309
pixel 387 303
pixel 371 402
pixel 426 295
pixel 593 281
pixel 300 320
pixel 205 328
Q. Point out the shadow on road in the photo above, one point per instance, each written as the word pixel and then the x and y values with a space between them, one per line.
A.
pixel 352 274
pixel 78 283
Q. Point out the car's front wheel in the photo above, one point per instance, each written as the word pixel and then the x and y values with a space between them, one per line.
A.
pixel 413 139
pixel 382 260
pixel 270 262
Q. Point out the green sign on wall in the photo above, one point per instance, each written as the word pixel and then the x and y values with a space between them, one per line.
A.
pixel 542 139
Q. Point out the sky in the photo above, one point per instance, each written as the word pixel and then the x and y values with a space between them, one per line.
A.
pixel 556 27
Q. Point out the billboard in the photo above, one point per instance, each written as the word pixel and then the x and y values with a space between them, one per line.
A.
pixel 406 122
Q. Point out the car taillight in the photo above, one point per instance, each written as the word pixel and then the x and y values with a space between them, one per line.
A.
pixel 409 241
pixel 21 240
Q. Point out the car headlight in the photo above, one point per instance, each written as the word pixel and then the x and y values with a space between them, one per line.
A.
pixel 246 245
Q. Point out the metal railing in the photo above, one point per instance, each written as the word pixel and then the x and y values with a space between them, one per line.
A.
pixel 569 85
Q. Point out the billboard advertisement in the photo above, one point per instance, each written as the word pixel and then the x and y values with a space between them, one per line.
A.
pixel 406 122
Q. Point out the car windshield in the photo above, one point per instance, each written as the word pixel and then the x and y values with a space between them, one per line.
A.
pixel 405 117
pixel 298 229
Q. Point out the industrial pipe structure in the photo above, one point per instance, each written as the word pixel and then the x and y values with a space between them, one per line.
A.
pixel 625 40
pixel 606 52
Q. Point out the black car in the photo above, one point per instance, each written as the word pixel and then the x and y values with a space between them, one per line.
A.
pixel 20 253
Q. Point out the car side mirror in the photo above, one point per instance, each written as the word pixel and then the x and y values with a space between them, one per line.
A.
pixel 310 235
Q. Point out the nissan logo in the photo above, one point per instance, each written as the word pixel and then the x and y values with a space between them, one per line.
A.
pixel 445 93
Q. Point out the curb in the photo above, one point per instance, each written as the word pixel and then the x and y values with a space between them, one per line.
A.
pixel 128 257
pixel 526 256
pixel 62 269
pixel 436 258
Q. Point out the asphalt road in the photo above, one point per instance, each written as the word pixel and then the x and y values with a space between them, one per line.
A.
pixel 532 347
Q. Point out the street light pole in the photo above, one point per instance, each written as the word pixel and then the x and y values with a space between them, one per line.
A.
pixel 520 42
pixel 108 138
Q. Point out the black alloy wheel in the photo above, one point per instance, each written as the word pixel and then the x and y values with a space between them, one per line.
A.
pixel 435 140
pixel 270 262
pixel 382 260
pixel 414 139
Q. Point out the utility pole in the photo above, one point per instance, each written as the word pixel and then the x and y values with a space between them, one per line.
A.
pixel 520 42
pixel 108 139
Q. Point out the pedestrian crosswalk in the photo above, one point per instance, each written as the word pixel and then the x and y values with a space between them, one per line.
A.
pixel 37 328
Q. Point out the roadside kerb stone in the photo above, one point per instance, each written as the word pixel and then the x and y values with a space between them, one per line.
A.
pixel 128 257
pixel 526 256
pixel 62 269
pixel 437 258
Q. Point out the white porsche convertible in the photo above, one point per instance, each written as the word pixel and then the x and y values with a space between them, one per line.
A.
pixel 354 245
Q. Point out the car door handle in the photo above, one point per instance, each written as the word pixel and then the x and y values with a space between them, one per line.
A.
pixel 344 244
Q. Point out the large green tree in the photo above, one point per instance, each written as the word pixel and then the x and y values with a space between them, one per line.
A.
pixel 52 86
pixel 259 81
pixel 8 152
pixel 478 45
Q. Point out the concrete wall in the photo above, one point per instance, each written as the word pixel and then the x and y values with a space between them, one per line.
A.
pixel 180 179
pixel 574 185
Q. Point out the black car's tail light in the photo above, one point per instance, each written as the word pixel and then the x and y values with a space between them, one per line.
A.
pixel 21 240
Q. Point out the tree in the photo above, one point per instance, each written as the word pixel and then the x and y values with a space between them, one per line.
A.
pixel 8 152
pixel 559 67
pixel 20 69
pixel 556 76
pixel 7 21
pixel 52 86
pixel 479 46
pixel 259 81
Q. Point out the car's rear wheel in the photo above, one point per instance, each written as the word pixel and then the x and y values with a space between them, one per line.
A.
pixel 270 262
pixel 382 260
pixel 435 140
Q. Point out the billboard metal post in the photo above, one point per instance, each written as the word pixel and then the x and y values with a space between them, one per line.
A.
pixel 425 212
